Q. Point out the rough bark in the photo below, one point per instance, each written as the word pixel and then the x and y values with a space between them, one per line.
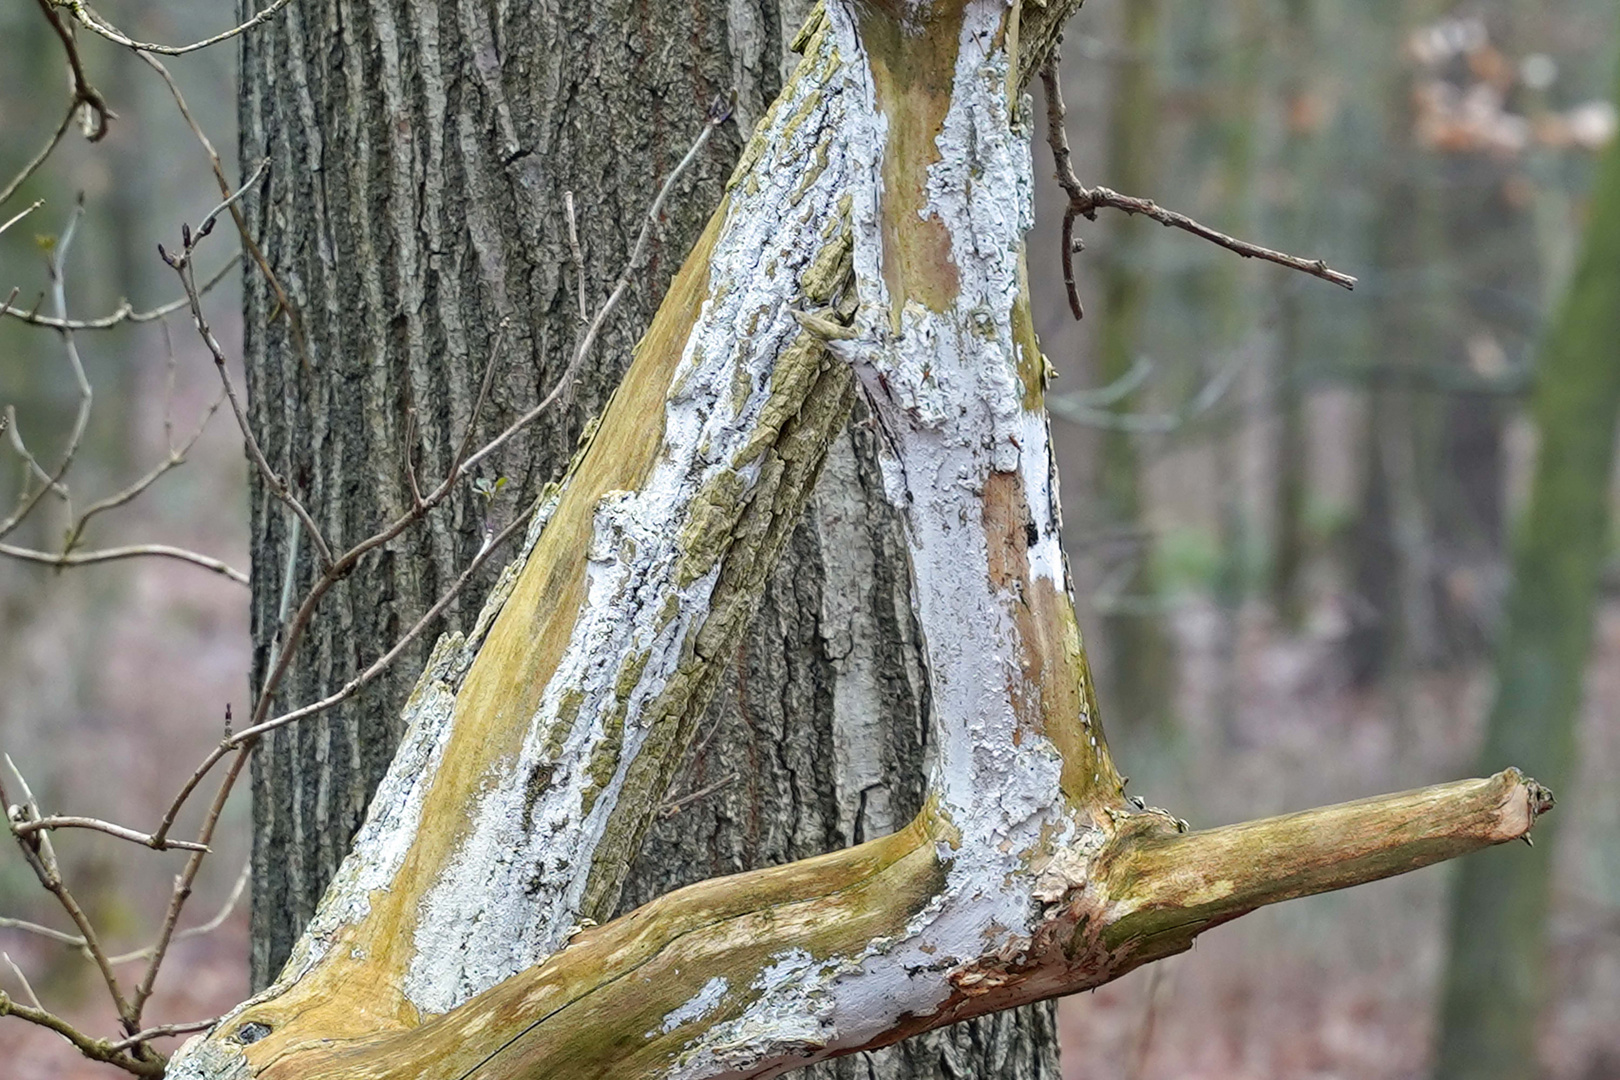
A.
pixel 450 944
pixel 1498 979
pixel 420 159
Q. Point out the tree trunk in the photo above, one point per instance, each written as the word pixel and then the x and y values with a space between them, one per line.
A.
pixel 1294 212
pixel 1392 615
pixel 1141 664
pixel 871 238
pixel 417 200
pixel 1497 979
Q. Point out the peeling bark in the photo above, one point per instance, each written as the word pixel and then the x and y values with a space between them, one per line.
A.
pixel 871 236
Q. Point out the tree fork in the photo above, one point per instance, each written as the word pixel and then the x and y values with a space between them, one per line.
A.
pixel 873 228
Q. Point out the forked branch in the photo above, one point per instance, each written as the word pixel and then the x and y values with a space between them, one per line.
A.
pixel 1084 202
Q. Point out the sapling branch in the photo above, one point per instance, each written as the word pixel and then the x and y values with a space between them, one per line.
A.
pixel 52 482
pixel 1084 202
pixel 33 164
pixel 84 94
pixel 91 21
pixel 123 313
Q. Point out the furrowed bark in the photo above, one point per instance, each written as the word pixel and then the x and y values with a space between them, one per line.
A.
pixel 897 158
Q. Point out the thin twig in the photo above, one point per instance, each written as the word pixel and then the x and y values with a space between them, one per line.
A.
pixel 718 114
pixel 1057 138
pixel 90 20
pixel 42 861
pixel 41 931
pixel 74 941
pixel 133 551
pixel 381 664
pixel 18 216
pixel 208 927
pixel 182 265
pixel 182 890
pixel 283 301
pixel 575 250
pixel 163 1031
pixel 83 93
pixel 1084 202
pixel 28 987
pixel 57 272
pixel 124 313
pixel 175 458
pixel 28 828
pixel 1101 196
pixel 675 806
pixel 39 159
pixel 94 1049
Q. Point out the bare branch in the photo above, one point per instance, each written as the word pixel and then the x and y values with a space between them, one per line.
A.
pixel 37 203
pixel 28 828
pixel 38 159
pixel 208 927
pixel 182 266
pixel 381 664
pixel 133 551
pixel 1084 202
pixel 718 114
pixel 574 249
pixel 1101 196
pixel 176 457
pixel 42 861
pixel 91 21
pixel 124 313
pixel 95 128
pixel 284 302
pixel 1058 138
pixel 675 806
pixel 95 1049
pixel 163 1031
pixel 182 889
pixel 41 931
pixel 86 396
pixel 17 972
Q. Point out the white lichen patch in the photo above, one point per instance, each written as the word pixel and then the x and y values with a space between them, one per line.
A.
pixel 516 882
pixel 950 404
pixel 704 1002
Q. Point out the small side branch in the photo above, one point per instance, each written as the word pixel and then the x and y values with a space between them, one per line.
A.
pixel 1101 196
pixel 1084 202
pixel 94 22
pixel 125 311
pixel 28 828
pixel 84 94
pixel 95 1049
pixel 1173 886
pixel 118 554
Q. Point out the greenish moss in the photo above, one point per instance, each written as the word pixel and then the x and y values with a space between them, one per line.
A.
pixel 811 175
pixel 605 761
pixel 630 674
pixel 707 531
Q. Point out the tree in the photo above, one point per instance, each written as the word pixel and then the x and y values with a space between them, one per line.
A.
pixel 1497 976
pixel 871 235
pixel 814 741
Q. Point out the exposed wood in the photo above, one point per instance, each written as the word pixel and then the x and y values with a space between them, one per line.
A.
pixel 450 944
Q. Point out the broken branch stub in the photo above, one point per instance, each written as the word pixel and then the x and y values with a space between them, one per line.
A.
pixel 871 237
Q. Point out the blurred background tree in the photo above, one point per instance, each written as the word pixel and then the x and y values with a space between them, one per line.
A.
pixel 1289 508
